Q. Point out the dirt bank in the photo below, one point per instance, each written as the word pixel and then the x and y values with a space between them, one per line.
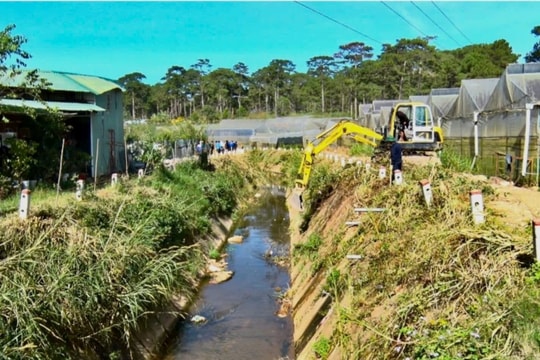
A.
pixel 367 291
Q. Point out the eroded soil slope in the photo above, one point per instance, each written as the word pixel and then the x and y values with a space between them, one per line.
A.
pixel 411 281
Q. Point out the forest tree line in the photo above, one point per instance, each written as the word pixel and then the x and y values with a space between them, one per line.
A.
pixel 332 84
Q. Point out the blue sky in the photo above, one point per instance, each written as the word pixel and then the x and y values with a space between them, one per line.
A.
pixel 112 39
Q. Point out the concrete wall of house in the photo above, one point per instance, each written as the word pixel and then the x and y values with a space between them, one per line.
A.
pixel 108 127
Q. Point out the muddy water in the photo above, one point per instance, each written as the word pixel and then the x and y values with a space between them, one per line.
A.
pixel 241 313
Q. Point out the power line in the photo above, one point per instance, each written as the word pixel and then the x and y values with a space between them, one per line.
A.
pixel 451 22
pixel 435 23
pixel 407 21
pixel 338 22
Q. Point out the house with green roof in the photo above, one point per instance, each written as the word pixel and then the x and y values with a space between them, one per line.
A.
pixel 90 105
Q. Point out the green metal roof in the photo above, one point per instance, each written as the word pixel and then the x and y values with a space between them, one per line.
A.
pixel 62 81
pixel 97 85
pixel 63 106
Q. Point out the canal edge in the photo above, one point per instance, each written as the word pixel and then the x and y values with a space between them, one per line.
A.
pixel 156 328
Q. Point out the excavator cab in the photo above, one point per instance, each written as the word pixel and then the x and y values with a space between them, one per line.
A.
pixel 414 121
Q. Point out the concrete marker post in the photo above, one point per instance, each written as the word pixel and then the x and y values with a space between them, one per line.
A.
pixel 80 190
pixel 398 178
pixel 382 172
pixel 114 179
pixel 536 238
pixel 477 206
pixel 426 191
pixel 24 204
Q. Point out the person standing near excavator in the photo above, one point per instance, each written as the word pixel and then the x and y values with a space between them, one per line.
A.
pixel 396 157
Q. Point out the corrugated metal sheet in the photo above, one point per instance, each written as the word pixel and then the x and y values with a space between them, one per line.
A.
pixel 64 106
pixel 61 81
pixel 96 85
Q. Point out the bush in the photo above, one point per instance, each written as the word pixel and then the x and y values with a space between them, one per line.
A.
pixel 361 150
pixel 160 118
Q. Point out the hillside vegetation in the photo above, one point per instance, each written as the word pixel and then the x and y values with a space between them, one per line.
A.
pixel 426 282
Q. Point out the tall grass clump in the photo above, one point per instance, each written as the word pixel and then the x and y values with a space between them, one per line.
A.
pixel 450 159
pixel 322 183
pixel 361 150
pixel 279 166
pixel 75 280
pixel 70 291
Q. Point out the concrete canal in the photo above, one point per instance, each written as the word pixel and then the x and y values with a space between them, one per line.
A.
pixel 241 314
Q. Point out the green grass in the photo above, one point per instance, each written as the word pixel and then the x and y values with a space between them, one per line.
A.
pixel 77 277
pixel 361 150
pixel 310 247
pixel 322 348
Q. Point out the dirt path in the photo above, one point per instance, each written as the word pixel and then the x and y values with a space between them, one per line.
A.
pixel 518 205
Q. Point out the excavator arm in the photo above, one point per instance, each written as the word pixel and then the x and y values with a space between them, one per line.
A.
pixel 324 139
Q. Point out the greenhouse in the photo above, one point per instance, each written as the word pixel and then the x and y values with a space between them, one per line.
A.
pixel 488 119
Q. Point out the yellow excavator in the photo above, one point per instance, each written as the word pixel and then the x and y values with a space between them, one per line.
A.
pixel 410 123
pixel 324 139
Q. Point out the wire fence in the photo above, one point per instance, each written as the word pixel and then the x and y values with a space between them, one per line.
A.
pixel 500 156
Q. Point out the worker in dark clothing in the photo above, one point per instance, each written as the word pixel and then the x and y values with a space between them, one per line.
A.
pixel 403 120
pixel 395 157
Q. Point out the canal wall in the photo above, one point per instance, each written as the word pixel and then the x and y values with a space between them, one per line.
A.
pixel 157 327
pixel 312 306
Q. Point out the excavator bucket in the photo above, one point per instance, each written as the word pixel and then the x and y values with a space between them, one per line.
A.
pixel 321 142
pixel 296 200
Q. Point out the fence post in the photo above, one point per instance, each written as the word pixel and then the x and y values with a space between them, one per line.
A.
pixel 398 178
pixel 536 238
pixel 382 172
pixel 114 179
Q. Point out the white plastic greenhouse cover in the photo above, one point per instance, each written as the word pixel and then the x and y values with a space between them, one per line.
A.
pixel 500 103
